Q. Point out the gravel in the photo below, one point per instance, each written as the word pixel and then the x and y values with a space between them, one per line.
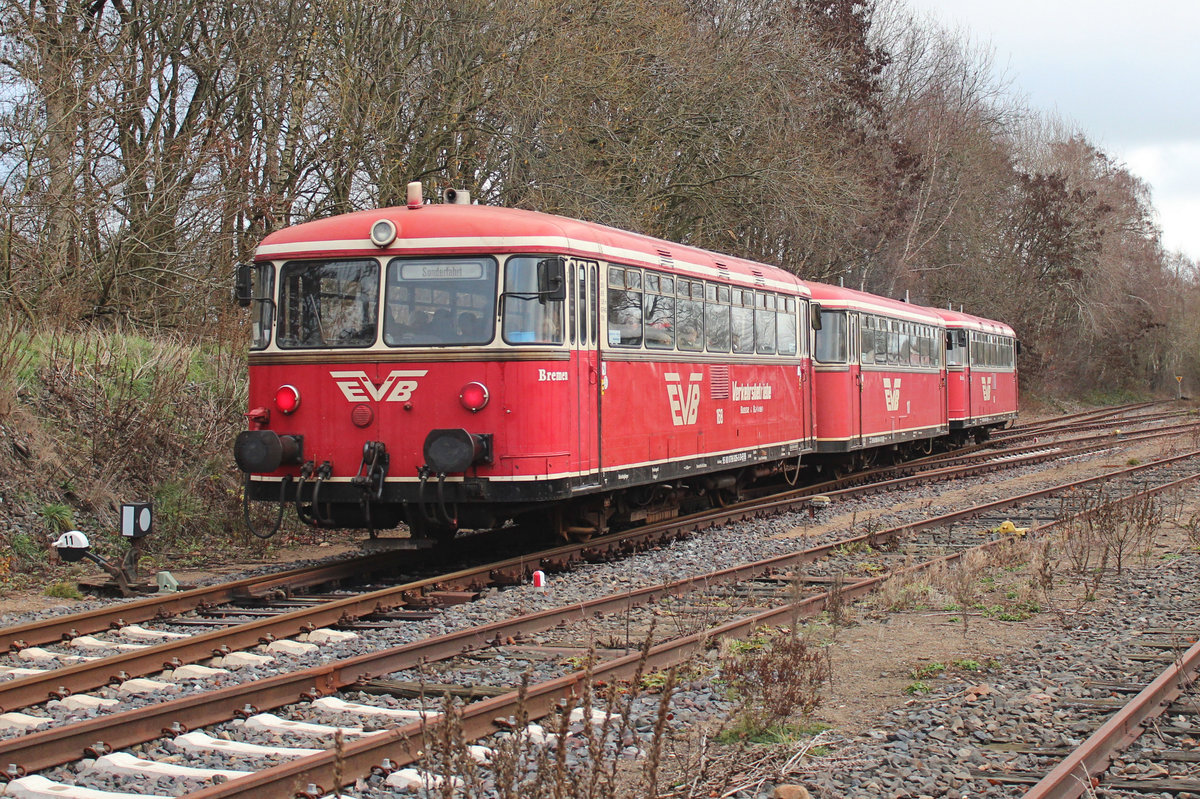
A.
pixel 930 748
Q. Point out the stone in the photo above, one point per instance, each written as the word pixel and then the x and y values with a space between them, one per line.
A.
pixel 791 792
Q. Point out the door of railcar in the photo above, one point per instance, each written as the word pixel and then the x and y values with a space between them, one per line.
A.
pixel 958 390
pixel 970 359
pixel 857 376
pixel 585 319
pixel 804 337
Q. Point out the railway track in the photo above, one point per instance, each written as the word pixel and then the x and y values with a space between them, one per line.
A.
pixel 1088 767
pixel 48 748
pixel 143 653
pixel 292 581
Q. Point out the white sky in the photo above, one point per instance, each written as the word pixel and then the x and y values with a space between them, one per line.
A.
pixel 1127 74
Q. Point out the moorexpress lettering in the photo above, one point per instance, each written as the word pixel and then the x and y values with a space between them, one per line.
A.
pixel 746 392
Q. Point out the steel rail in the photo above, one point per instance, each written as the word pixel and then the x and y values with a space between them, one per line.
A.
pixel 967 454
pixel 1081 771
pixel 46 748
pixel 1091 415
pixel 53 747
pixel 403 745
pixel 1080 427
pixel 787 501
pixel 1102 439
pixel 54 629
pixel 33 689
pixel 45 631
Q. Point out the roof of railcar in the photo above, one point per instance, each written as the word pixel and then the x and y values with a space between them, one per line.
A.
pixel 841 297
pixel 957 319
pixel 477 229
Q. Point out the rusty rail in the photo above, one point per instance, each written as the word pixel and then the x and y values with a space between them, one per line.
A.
pixel 402 745
pixel 51 630
pixel 1081 771
pixel 56 746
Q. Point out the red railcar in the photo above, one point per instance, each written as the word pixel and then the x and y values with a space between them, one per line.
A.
pixel 458 365
pixel 455 365
pixel 981 366
pixel 879 376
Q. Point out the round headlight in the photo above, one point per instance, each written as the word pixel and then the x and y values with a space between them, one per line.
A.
pixel 474 396
pixel 383 233
pixel 287 399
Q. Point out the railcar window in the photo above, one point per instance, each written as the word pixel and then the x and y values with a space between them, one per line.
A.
pixel 594 305
pixel 263 292
pixel 893 342
pixel 689 315
pixel 328 303
pixel 624 307
pixel 658 312
pixel 866 333
pixel 787 325
pixel 571 270
pixel 831 338
pixel 906 357
pixel 440 302
pixel 954 350
pixel 764 323
pixel 716 317
pixel 529 317
pixel 583 304
pixel 742 326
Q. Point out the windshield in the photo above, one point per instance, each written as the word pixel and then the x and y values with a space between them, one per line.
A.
pixel 328 303
pixel 435 302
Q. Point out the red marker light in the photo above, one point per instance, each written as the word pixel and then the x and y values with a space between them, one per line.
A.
pixel 474 396
pixel 287 399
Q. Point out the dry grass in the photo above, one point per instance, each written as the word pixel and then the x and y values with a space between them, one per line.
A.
pixel 96 418
pixel 625 742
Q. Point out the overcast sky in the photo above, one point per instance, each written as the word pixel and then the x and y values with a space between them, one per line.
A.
pixel 1125 73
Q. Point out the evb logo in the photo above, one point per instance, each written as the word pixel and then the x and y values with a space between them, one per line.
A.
pixel 684 397
pixel 891 393
pixel 398 386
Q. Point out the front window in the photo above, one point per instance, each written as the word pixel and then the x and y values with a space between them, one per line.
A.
pixel 530 317
pixel 435 302
pixel 328 303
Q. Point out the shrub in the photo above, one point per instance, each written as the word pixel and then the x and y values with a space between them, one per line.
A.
pixel 63 590
pixel 772 683
pixel 58 517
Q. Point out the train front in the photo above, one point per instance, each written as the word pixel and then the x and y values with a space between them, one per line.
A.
pixel 409 365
